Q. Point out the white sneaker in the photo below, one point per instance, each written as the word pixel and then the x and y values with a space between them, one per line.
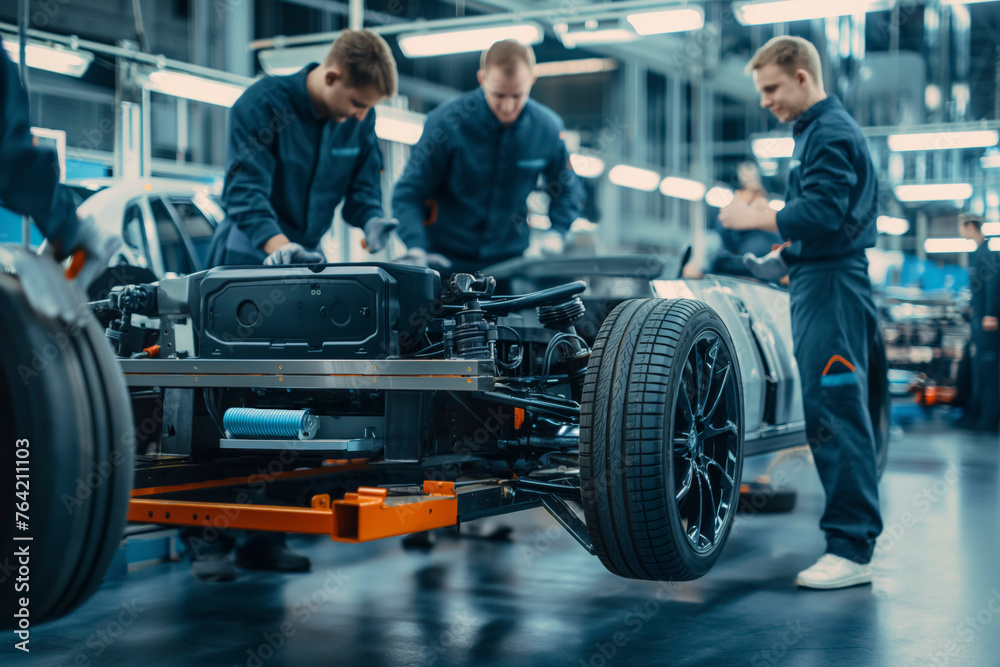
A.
pixel 832 571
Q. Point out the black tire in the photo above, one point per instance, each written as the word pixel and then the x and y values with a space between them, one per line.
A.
pixel 634 462
pixel 879 402
pixel 62 392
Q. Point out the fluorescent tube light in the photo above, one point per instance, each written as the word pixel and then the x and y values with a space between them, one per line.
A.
pixel 993 244
pixel 682 188
pixel 949 245
pixel 769 148
pixel 933 192
pixel 195 88
pixel 719 197
pixel 963 2
pixel 404 127
pixel 593 32
pixel 440 43
pixel 760 12
pixel 929 141
pixel 581 66
pixel 284 61
pixel 633 177
pixel 51 58
pixel 892 226
pixel 586 166
pixel 991 229
pixel 668 20
pixel 990 159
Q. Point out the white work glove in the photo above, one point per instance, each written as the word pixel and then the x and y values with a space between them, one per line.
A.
pixel 769 267
pixel 420 257
pixel 91 254
pixel 547 244
pixel 377 233
pixel 293 253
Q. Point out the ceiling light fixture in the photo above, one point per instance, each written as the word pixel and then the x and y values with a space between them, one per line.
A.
pixel 195 88
pixel 682 188
pixel 586 166
pixel 446 42
pixel 681 19
pixel 593 31
pixel 571 67
pixel 929 141
pixel 933 192
pixel 404 127
pixel 760 12
pixel 769 148
pixel 892 226
pixel 51 58
pixel 633 177
pixel 719 197
pixel 949 245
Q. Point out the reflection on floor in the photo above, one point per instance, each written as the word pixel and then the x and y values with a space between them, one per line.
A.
pixel 540 599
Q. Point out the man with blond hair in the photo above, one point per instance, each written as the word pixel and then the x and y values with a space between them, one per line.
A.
pixel 462 199
pixel 829 216
pixel 298 146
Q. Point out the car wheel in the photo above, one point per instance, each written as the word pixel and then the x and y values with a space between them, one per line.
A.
pixel 879 402
pixel 64 404
pixel 661 439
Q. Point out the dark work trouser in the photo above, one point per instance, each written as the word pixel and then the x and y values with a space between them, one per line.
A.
pixel 985 375
pixel 833 328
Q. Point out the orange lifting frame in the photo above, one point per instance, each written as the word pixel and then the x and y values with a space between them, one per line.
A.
pixel 365 515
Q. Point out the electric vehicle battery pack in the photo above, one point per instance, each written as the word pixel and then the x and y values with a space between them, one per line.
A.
pixel 301 312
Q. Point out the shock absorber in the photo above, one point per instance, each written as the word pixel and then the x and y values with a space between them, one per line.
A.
pixel 260 423
pixel 562 317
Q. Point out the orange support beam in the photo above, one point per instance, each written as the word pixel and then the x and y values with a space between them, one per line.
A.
pixel 364 515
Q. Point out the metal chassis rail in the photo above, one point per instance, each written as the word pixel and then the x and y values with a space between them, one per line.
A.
pixel 398 374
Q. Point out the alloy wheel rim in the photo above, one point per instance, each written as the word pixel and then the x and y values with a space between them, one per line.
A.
pixel 704 443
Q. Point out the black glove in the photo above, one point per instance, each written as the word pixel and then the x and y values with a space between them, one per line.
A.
pixel 769 267
pixel 293 253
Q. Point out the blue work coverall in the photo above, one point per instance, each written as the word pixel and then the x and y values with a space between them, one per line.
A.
pixel 29 175
pixel 829 215
pixel 287 169
pixel 464 191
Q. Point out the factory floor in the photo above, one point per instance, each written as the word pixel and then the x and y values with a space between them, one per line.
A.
pixel 539 599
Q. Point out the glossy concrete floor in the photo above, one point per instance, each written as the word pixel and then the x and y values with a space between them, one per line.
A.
pixel 541 600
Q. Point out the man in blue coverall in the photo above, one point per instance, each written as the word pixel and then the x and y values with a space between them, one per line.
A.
pixel 298 146
pixel 29 184
pixel 981 414
pixel 462 199
pixel 829 216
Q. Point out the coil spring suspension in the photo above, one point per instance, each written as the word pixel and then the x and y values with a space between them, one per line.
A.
pixel 563 315
pixel 259 423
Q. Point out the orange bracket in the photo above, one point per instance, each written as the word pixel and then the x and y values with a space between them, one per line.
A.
pixel 369 513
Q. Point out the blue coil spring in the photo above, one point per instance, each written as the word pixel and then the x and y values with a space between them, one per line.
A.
pixel 255 422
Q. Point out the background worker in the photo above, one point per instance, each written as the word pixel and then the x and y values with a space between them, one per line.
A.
pixel 829 216
pixel 982 412
pixel 298 146
pixel 462 199
pixel 736 243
